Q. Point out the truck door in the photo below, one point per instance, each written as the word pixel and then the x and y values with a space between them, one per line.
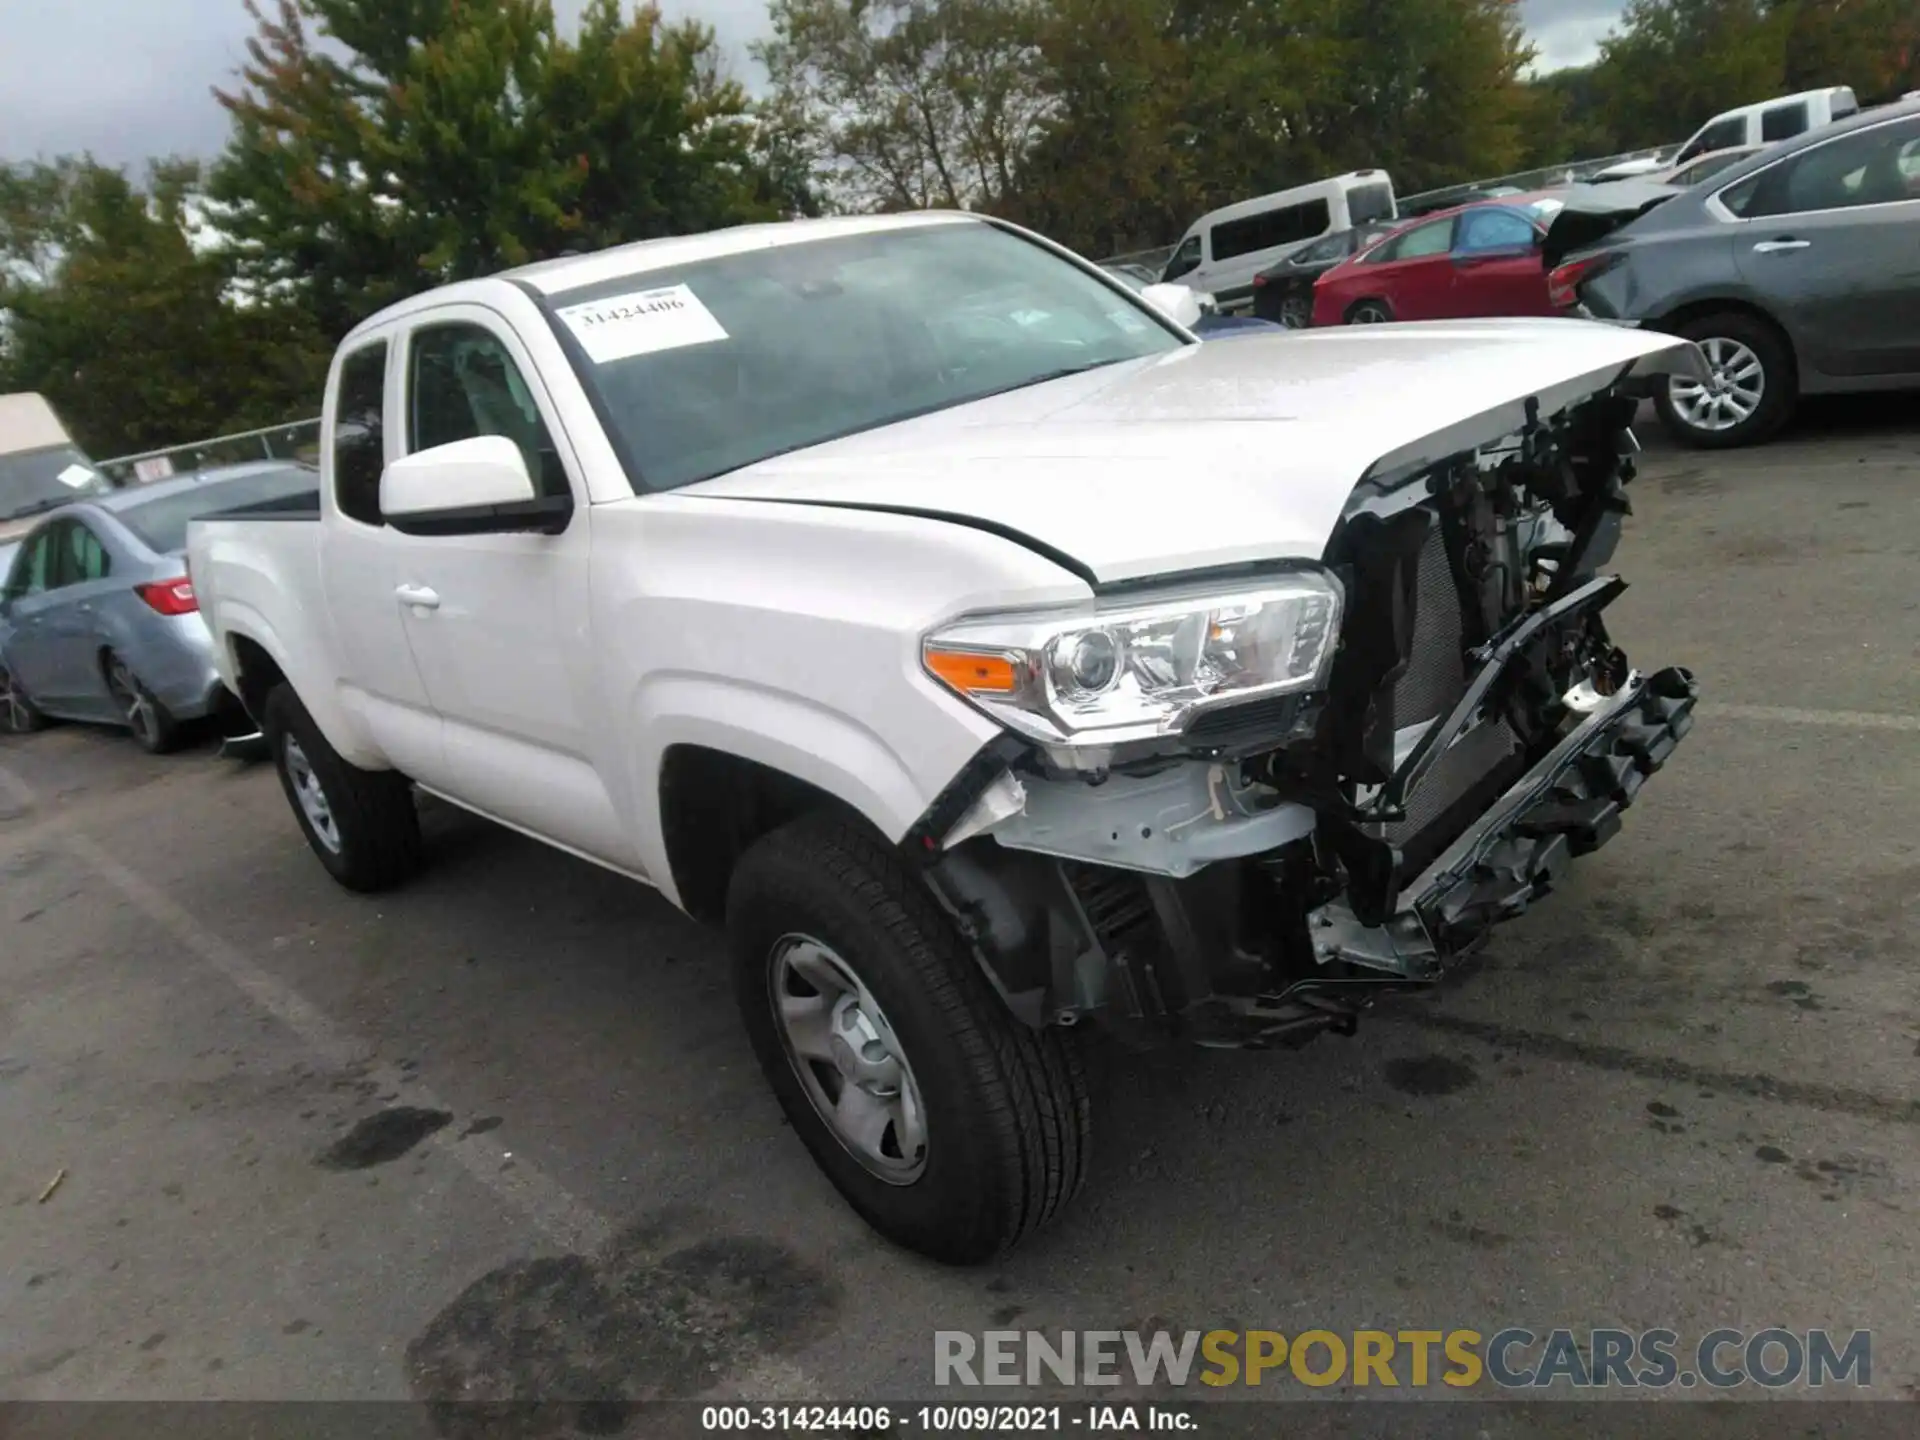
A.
pixel 497 622
pixel 359 571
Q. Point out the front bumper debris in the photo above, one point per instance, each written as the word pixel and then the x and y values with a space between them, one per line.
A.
pixel 1566 806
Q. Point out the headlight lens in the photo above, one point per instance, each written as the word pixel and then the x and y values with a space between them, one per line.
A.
pixel 1107 675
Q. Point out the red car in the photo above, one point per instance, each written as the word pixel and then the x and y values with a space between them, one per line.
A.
pixel 1479 259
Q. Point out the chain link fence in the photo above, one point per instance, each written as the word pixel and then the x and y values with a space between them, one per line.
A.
pixel 299 441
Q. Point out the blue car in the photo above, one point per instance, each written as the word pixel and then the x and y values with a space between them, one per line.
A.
pixel 98 619
pixel 1214 326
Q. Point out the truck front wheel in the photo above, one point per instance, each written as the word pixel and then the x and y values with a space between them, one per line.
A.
pixel 361 823
pixel 952 1128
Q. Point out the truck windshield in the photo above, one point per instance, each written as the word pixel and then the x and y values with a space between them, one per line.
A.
pixel 708 367
pixel 35 480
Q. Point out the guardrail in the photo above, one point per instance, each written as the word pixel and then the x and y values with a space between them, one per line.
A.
pixel 299 440
pixel 1543 177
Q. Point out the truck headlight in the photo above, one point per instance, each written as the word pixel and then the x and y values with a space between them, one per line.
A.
pixel 1112 673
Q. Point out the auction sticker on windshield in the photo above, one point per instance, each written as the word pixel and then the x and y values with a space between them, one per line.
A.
pixel 74 476
pixel 640 323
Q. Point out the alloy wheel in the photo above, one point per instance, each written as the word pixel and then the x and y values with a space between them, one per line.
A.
pixel 1736 383
pixel 134 701
pixel 1369 314
pixel 847 1058
pixel 16 717
pixel 310 794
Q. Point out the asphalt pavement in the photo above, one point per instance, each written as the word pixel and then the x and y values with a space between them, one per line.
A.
pixel 499 1135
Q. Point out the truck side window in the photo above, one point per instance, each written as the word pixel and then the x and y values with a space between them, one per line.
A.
pixel 359 436
pixel 464 383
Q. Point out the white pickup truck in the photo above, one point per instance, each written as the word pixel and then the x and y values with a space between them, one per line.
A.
pixel 991 658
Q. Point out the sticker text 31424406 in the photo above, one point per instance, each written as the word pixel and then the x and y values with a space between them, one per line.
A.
pixel 641 322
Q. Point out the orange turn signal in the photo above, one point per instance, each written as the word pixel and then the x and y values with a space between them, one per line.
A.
pixel 973 672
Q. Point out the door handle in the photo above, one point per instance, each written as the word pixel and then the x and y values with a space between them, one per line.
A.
pixel 418 595
pixel 1767 247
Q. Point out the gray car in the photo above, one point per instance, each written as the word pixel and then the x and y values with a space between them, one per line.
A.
pixel 1797 271
pixel 98 619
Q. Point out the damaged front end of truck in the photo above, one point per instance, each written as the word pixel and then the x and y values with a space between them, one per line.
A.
pixel 1464 728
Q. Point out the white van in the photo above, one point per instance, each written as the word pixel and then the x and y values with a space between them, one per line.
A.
pixel 1781 118
pixel 1224 249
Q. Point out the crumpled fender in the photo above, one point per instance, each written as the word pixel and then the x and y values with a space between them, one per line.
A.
pixel 1593 212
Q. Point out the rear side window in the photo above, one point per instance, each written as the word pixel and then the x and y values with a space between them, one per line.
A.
pixel 1415 244
pixel 1493 229
pixel 1867 167
pixel 359 434
pixel 1270 228
pixel 1783 122
pixel 80 558
pixel 1334 247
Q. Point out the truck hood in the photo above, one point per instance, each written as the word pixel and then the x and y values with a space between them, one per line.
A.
pixel 1215 454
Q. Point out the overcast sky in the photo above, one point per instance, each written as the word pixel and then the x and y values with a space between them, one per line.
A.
pixel 127 79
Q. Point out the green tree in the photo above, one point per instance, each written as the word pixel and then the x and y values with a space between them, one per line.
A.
pixel 906 104
pixel 1165 108
pixel 1676 63
pixel 1872 45
pixel 434 140
pixel 118 306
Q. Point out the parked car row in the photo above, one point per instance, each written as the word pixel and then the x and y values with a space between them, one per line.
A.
pixel 1794 264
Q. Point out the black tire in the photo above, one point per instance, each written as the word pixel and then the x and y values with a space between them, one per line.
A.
pixel 18 714
pixel 373 837
pixel 1779 382
pixel 1296 312
pixel 1369 312
pixel 1007 1111
pixel 150 723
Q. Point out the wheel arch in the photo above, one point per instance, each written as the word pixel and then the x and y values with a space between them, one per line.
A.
pixel 757 757
pixel 1672 321
pixel 257 658
pixel 714 805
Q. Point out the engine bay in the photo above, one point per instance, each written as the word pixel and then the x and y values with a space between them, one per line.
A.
pixel 1259 875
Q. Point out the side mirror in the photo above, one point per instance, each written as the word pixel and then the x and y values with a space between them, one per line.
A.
pixel 478 486
pixel 1178 303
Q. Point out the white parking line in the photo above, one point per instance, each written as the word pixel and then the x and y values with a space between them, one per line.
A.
pixel 562 1218
pixel 1833 719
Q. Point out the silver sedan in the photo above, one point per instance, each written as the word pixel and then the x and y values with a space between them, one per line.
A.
pixel 98 619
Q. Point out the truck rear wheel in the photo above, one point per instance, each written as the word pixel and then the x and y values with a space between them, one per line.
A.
pixel 361 823
pixel 953 1129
